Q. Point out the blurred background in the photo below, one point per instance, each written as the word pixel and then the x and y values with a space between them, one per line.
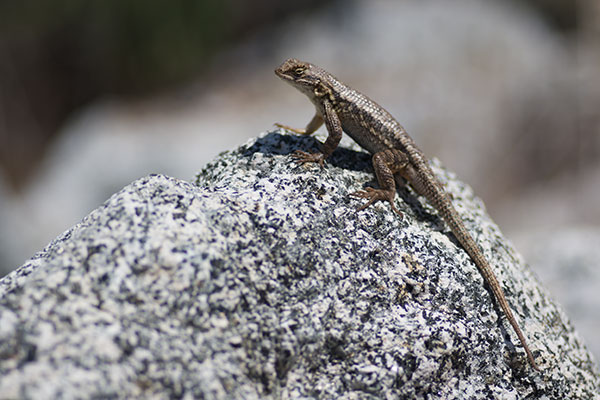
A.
pixel 94 95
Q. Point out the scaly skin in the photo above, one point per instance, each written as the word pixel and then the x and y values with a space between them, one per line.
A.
pixel 396 157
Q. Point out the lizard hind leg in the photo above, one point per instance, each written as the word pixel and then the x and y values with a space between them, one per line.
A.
pixel 386 164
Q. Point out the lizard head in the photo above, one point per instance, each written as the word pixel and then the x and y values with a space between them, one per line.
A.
pixel 304 76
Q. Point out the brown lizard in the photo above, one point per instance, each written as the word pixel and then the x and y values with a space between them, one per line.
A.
pixel 396 157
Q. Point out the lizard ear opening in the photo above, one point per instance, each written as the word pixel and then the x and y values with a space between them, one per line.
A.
pixel 320 91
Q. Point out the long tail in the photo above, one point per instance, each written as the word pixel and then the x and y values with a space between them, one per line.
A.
pixel 466 240
pixel 441 201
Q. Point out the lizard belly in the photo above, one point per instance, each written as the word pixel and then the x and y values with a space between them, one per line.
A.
pixel 363 136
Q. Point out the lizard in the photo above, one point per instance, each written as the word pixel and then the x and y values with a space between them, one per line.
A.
pixel 396 158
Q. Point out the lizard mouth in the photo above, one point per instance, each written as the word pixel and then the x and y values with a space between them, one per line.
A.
pixel 279 72
pixel 286 69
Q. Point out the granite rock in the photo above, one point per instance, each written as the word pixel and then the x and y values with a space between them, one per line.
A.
pixel 566 262
pixel 262 281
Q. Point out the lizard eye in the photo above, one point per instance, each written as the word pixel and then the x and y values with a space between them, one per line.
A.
pixel 298 71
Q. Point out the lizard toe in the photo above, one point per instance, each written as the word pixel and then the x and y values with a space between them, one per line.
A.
pixel 374 195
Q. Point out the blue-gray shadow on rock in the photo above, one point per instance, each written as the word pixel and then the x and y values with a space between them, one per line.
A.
pixel 279 144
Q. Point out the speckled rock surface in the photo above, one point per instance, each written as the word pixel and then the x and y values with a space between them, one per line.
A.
pixel 571 259
pixel 263 282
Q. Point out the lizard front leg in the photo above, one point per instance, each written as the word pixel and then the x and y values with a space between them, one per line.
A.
pixel 334 128
pixel 386 164
pixel 314 124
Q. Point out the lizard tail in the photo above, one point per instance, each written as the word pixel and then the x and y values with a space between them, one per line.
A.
pixel 473 250
pixel 437 197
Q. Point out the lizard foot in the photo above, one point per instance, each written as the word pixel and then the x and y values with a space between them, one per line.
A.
pixel 302 157
pixel 375 195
